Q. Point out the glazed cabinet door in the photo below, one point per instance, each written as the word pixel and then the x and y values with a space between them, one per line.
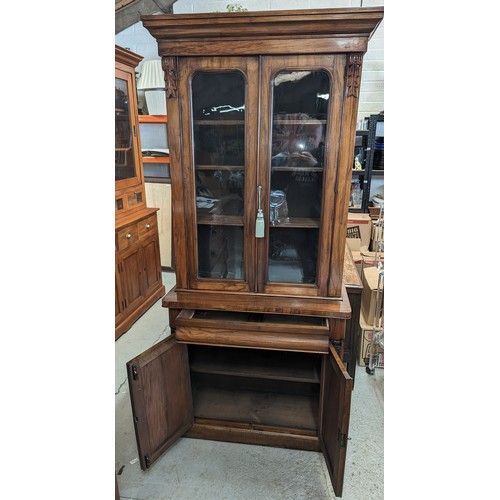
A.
pixel 220 95
pixel 334 424
pixel 160 393
pixel 127 161
pixel 301 112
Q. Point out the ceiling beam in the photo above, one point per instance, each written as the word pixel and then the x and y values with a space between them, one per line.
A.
pixel 129 12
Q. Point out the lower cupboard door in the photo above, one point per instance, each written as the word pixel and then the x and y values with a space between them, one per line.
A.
pixel 337 389
pixel 160 393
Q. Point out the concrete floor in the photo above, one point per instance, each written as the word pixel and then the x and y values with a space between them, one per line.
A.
pixel 195 469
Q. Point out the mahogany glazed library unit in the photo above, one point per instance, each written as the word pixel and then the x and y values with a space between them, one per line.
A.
pixel 262 110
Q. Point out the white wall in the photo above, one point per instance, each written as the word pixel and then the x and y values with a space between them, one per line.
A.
pixel 371 99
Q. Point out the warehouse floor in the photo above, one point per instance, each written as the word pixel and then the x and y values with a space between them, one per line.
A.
pixel 195 469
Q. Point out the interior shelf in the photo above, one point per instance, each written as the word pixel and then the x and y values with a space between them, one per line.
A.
pixel 297 169
pixel 220 167
pixel 256 407
pixel 220 220
pixel 237 220
pixel 219 122
pixel 289 366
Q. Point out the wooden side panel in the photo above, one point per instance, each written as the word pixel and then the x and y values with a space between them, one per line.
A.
pixel 346 153
pixel 160 392
pixel 334 424
pixel 174 128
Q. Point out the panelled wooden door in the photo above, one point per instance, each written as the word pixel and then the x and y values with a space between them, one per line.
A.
pixel 334 424
pixel 130 268
pixel 220 94
pixel 160 393
pixel 152 267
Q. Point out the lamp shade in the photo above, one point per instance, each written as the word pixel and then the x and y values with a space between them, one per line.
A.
pixel 151 75
pixel 152 81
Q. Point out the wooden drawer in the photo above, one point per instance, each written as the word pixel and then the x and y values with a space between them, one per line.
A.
pixel 147 227
pixel 259 331
pixel 127 237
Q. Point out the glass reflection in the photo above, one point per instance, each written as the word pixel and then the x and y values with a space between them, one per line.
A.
pixel 218 105
pixel 300 111
pixel 124 153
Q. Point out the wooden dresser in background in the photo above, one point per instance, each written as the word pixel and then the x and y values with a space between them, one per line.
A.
pixel 138 279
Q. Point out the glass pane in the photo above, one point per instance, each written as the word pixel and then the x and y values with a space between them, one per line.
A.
pixel 220 252
pixel 219 156
pixel 293 254
pixel 124 152
pixel 300 110
pixel 157 170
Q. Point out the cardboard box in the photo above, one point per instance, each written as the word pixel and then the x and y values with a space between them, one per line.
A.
pixel 370 279
pixel 359 231
pixel 369 259
pixel 365 341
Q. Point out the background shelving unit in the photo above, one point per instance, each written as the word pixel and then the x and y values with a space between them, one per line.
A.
pixel 368 147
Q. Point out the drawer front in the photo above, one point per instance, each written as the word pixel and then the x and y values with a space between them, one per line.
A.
pixel 231 329
pixel 127 237
pixel 147 227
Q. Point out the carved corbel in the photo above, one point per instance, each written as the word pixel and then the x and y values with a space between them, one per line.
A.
pixel 169 65
pixel 354 74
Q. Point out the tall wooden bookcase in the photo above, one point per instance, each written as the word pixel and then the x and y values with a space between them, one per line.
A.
pixel 262 111
pixel 138 279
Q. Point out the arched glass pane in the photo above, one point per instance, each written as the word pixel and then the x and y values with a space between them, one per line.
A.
pixel 218 105
pixel 300 109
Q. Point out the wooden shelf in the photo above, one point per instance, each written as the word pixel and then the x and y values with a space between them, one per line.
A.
pixel 299 122
pixel 237 220
pixel 296 169
pixel 156 159
pixel 153 118
pixel 220 167
pixel 358 172
pixel 256 407
pixel 219 122
pixel 220 220
pixel 298 222
pixel 377 173
pixel 292 367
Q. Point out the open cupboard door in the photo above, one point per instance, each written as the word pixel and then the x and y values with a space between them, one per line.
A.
pixel 335 417
pixel 160 393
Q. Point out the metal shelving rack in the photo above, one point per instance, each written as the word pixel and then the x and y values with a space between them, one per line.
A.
pixel 378 325
pixel 366 148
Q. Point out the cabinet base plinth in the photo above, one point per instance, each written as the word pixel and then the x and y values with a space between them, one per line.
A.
pixel 236 432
